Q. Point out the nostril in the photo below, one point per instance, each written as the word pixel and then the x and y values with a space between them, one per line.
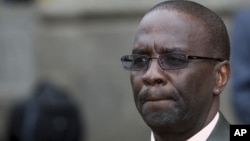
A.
pixel 153 82
pixel 158 81
pixel 146 82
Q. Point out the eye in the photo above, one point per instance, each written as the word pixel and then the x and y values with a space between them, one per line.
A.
pixel 140 62
pixel 172 61
pixel 176 59
pixel 140 59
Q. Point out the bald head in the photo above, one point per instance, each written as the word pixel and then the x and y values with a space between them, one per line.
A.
pixel 217 36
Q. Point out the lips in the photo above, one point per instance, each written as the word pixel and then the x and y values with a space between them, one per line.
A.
pixel 156 94
pixel 157 99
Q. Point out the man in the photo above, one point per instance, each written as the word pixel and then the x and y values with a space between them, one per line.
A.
pixel 179 67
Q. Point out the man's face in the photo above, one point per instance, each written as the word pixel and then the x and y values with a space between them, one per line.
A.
pixel 172 98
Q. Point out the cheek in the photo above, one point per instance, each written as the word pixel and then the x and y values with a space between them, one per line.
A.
pixel 196 91
pixel 136 82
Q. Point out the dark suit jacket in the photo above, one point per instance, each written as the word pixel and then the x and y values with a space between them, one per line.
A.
pixel 221 130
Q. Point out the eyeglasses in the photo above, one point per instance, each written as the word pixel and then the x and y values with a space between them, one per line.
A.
pixel 169 61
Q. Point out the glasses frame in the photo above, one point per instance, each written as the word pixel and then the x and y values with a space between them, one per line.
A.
pixel 187 57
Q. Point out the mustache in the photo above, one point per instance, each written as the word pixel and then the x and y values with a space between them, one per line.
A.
pixel 154 94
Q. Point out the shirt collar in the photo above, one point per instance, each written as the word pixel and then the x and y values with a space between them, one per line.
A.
pixel 204 133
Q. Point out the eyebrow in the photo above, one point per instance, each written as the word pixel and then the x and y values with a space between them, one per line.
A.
pixel 171 49
pixel 162 50
pixel 139 51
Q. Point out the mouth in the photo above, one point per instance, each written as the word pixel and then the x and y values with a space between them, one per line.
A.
pixel 165 101
pixel 157 96
pixel 158 99
pixel 157 105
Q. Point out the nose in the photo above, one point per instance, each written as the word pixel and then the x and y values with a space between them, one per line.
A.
pixel 154 76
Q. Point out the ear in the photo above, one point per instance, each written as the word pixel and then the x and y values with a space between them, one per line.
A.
pixel 222 72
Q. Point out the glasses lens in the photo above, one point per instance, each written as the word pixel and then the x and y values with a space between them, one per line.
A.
pixel 135 62
pixel 127 61
pixel 173 61
pixel 140 62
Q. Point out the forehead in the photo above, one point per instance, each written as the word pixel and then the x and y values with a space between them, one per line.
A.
pixel 167 29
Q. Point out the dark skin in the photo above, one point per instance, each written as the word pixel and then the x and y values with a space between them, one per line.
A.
pixel 176 104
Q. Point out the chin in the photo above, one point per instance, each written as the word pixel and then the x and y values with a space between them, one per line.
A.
pixel 161 120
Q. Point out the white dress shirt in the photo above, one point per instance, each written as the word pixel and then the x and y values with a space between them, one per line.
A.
pixel 203 134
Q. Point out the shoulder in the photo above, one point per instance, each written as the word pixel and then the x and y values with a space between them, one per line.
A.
pixel 221 130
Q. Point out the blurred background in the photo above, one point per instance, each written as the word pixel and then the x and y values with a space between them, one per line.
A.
pixel 77 44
